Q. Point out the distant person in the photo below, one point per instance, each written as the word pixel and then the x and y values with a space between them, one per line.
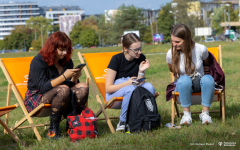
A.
pixel 227 33
pixel 51 76
pixel 184 58
pixel 123 70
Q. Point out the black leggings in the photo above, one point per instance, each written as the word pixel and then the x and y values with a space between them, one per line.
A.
pixel 59 98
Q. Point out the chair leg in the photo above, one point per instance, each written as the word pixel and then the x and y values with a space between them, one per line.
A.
pixel 19 123
pixel 223 106
pixel 34 128
pixel 9 131
pixel 105 106
pixel 221 112
pixel 7 104
pixel 173 113
pixel 175 103
pixel 105 114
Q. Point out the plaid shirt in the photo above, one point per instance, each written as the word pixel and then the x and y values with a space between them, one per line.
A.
pixel 31 99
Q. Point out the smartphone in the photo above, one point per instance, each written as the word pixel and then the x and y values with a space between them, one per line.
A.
pixel 80 66
pixel 141 79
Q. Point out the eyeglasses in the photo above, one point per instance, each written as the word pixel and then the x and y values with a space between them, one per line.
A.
pixel 137 49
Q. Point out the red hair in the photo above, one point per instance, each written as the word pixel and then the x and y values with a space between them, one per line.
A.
pixel 56 40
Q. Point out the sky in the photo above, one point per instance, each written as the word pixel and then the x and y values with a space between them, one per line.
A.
pixel 92 7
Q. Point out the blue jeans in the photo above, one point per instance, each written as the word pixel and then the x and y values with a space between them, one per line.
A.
pixel 126 93
pixel 184 87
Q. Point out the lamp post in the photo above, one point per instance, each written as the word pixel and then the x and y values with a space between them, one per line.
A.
pixel 228 5
pixel 173 5
pixel 151 24
pixel 174 13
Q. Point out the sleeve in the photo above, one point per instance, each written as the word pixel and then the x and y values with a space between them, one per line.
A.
pixel 70 64
pixel 114 64
pixel 169 57
pixel 39 76
pixel 204 53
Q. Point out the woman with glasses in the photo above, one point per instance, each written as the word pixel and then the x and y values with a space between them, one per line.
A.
pixel 123 71
pixel 51 76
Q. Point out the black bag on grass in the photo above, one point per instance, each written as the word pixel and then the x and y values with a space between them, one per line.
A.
pixel 142 113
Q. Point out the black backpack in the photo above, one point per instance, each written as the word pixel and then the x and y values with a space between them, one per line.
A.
pixel 142 113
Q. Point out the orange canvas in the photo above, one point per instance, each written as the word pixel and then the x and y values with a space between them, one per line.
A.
pixel 214 51
pixel 18 69
pixel 97 63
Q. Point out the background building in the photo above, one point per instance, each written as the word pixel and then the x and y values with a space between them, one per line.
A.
pixel 14 13
pixel 67 22
pixel 151 15
pixel 54 12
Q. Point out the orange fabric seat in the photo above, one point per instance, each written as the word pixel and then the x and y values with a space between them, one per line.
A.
pixel 16 71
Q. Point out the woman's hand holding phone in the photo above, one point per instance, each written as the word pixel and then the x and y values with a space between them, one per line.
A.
pixel 141 81
pixel 69 73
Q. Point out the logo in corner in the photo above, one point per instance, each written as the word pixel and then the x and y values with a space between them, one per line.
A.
pixel 220 143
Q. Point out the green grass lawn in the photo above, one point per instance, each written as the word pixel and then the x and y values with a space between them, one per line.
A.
pixel 196 136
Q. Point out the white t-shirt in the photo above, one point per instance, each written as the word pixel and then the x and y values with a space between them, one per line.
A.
pixel 199 54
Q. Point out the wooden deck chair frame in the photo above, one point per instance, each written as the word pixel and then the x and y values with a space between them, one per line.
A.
pixel 108 104
pixel 219 93
pixel 42 110
pixel 6 110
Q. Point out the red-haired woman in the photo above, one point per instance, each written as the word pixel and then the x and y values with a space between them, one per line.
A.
pixel 51 76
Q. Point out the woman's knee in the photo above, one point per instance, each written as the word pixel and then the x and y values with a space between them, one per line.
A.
pixel 63 91
pixel 184 81
pixel 149 87
pixel 79 85
pixel 207 79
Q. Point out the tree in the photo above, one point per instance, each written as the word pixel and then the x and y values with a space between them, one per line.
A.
pixel 127 18
pixel 88 37
pixel 75 34
pixel 217 18
pixel 147 35
pixel 41 23
pixel 19 38
pixel 1 44
pixel 165 22
pixel 104 29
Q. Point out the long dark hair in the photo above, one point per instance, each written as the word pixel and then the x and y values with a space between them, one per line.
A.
pixel 183 32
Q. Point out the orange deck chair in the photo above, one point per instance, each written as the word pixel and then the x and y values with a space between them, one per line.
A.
pixel 6 110
pixel 97 63
pixel 219 95
pixel 16 71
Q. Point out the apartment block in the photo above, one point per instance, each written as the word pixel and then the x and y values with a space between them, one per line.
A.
pixel 54 12
pixel 14 13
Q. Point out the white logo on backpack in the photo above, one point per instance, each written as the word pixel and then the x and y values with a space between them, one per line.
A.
pixel 149 104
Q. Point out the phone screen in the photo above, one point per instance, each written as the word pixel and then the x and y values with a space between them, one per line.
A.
pixel 80 66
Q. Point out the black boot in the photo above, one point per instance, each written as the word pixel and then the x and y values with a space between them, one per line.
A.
pixel 54 131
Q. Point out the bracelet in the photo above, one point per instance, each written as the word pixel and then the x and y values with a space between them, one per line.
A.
pixel 142 74
pixel 64 76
